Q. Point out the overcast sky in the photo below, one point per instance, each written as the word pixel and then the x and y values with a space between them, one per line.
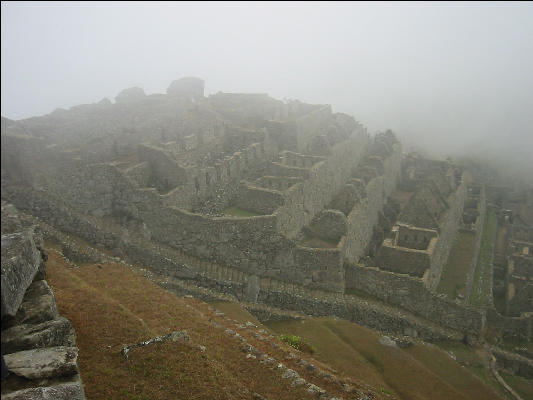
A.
pixel 448 74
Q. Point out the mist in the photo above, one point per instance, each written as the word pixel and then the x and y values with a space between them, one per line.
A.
pixel 450 78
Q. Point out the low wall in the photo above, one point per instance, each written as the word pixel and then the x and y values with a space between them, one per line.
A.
pixel 410 294
pixel 404 260
pixel 287 296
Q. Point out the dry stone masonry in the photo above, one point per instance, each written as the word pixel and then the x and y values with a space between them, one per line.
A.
pixel 279 204
pixel 37 344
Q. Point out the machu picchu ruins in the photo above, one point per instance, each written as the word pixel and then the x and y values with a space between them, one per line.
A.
pixel 291 209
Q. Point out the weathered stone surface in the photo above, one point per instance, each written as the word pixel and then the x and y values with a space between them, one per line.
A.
pixel 64 391
pixel 387 341
pixel 38 305
pixel 11 221
pixel 57 332
pixel 330 225
pixel 43 363
pixel 173 336
pixel 251 289
pixel 290 374
pixel 20 263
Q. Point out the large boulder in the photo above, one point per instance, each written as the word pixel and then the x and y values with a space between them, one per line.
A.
pixel 38 305
pixel 62 391
pixel 21 261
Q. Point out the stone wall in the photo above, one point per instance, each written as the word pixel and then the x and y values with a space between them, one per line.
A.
pixel 311 125
pixel 413 237
pixel 513 328
pixel 447 232
pixel 289 296
pixel 304 200
pixel 166 173
pixel 38 345
pixel 258 200
pixel 364 216
pixel 404 260
pixel 409 293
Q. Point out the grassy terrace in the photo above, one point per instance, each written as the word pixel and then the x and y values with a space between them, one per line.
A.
pixel 455 272
pixel 481 289
pixel 418 372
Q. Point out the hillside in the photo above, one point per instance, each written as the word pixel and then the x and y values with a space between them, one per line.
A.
pixel 107 316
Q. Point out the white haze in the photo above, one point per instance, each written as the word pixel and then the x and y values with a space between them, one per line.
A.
pixel 446 76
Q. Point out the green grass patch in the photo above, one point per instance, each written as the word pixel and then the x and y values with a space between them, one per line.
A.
pixel 298 343
pixel 481 290
pixel 456 270
pixel 237 212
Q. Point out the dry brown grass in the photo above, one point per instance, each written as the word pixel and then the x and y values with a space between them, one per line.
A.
pixel 111 306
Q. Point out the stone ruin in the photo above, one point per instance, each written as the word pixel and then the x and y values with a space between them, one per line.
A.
pixel 38 345
pixel 283 204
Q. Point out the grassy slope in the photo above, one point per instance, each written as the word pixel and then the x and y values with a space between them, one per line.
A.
pixel 111 306
pixel 481 290
pixel 419 372
pixel 454 275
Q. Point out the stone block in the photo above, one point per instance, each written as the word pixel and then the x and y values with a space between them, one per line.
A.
pixel 57 332
pixel 63 391
pixel 20 263
pixel 38 305
pixel 43 363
